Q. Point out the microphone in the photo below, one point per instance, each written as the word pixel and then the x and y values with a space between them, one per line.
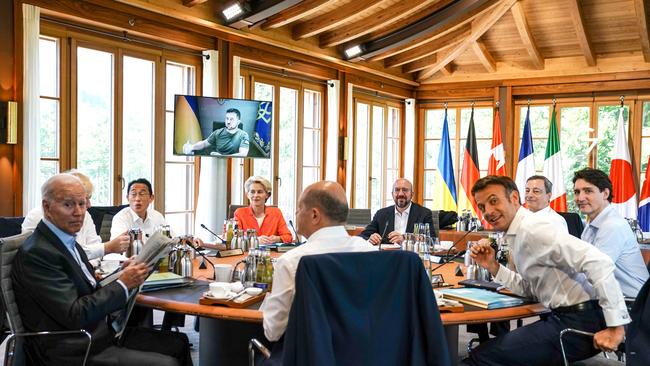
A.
pixel 383 234
pixel 213 233
pixel 298 242
pixel 205 258
pixel 449 259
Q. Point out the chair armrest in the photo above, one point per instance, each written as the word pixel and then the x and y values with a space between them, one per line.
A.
pixel 252 346
pixel 571 330
pixel 10 340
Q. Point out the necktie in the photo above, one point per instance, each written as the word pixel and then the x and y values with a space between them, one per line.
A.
pixel 83 266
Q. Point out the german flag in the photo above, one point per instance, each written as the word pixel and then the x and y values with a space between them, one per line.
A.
pixel 470 173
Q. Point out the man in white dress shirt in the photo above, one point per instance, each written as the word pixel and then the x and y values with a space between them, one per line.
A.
pixel 538 199
pixel 138 214
pixel 320 217
pixel 569 276
pixel 87 237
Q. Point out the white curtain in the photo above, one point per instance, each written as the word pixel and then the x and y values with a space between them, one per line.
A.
pixel 332 148
pixel 211 206
pixel 31 109
pixel 349 149
pixel 409 139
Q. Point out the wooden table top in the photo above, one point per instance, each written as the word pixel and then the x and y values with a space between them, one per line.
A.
pixel 185 300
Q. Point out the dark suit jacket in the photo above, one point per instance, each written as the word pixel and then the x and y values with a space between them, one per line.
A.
pixel 418 214
pixel 52 293
pixel 638 332
pixel 394 320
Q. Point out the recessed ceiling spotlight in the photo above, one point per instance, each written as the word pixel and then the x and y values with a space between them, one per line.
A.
pixel 352 51
pixel 232 11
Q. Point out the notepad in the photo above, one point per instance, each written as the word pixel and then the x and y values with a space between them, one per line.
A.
pixel 481 298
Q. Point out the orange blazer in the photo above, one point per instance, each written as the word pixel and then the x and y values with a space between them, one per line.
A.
pixel 273 223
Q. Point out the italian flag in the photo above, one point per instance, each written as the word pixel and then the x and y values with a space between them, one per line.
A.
pixel 553 167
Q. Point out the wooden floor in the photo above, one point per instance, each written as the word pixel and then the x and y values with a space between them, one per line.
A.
pixel 464 337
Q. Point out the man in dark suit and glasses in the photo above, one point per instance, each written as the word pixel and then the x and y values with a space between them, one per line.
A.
pixel 390 223
pixel 55 289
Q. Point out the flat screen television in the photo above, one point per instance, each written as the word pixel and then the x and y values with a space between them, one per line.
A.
pixel 206 126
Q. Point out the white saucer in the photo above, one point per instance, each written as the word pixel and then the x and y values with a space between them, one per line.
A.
pixel 209 296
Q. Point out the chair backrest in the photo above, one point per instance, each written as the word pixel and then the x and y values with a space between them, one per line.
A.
pixel 10 226
pixel 232 208
pixel 573 223
pixel 8 249
pixel 358 217
pixel 103 219
pixel 363 309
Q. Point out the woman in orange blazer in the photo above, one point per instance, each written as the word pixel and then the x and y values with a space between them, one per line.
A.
pixel 268 221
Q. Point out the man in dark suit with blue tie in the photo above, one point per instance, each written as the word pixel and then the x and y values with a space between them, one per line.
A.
pixel 55 289
pixel 390 223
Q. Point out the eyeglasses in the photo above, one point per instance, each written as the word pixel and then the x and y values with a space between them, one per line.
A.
pixel 142 194
pixel 535 191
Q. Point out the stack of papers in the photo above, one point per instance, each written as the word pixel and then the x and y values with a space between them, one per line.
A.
pixel 163 280
pixel 482 298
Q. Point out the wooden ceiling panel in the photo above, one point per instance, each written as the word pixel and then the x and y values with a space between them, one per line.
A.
pixel 338 17
pixel 611 23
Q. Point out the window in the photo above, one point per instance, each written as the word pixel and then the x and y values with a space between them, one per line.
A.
pixel 581 123
pixel 433 123
pixel 50 105
pixel 376 151
pixel 118 98
pixel 296 159
pixel 179 170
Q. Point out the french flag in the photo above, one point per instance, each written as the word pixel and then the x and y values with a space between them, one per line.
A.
pixel 526 164
pixel 644 205
pixel 620 173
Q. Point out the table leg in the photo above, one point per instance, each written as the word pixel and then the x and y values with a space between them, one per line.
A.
pixel 225 342
pixel 451 333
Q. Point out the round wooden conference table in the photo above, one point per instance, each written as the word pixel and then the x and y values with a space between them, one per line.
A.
pixel 224 332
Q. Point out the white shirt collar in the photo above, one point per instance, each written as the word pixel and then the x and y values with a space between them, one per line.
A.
pixel 137 218
pixel 327 232
pixel 601 217
pixel 407 211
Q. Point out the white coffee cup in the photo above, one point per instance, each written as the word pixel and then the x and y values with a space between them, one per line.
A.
pixel 219 290
pixel 222 272
pixel 236 286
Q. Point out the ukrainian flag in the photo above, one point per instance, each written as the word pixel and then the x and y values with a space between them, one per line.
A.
pixel 445 184
pixel 186 123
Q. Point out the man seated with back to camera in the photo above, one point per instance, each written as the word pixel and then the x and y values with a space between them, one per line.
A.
pixel 320 217
pixel 87 236
pixel 569 276
pixel 55 290
pixel 391 223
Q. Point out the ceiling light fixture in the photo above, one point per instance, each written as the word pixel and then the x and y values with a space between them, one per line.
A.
pixel 232 11
pixel 353 51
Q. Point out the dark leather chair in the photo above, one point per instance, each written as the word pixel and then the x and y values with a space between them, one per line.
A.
pixel 16 352
pixel 573 223
pixel 349 310
pixel 10 226
pixel 638 332
pixel 103 219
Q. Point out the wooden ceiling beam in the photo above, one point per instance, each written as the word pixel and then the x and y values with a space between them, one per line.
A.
pixel 294 13
pixel 443 21
pixel 526 36
pixel 641 7
pixel 427 49
pixel 484 56
pixel 420 64
pixel 191 3
pixel 575 10
pixel 333 18
pixel 479 28
pixel 401 10
pixel 448 69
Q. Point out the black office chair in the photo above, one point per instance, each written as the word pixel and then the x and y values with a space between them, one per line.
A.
pixel 10 226
pixel 349 310
pixel 103 219
pixel 638 332
pixel 15 348
pixel 573 223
